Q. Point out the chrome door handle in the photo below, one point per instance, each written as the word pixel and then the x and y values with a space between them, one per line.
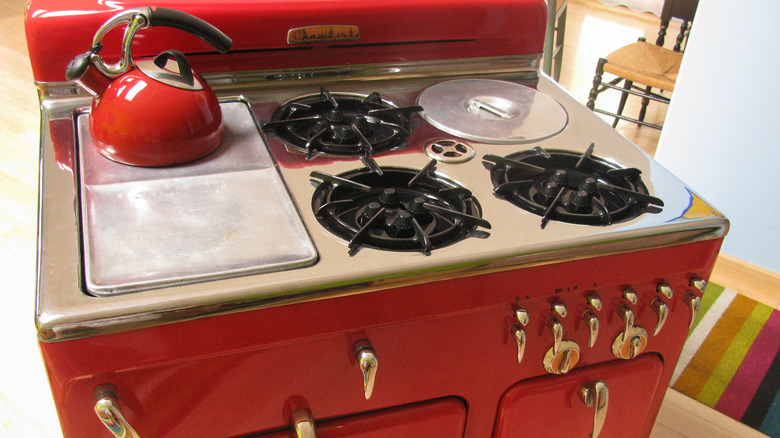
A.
pixel 694 303
pixel 593 327
pixel 368 362
pixel 627 315
pixel 522 317
pixel 520 337
pixel 557 331
pixel 596 395
pixel 303 424
pixel 107 410
pixel 661 310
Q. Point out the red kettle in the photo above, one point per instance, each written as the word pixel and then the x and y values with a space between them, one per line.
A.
pixel 155 112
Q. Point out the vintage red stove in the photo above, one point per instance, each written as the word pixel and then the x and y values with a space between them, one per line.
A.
pixel 407 230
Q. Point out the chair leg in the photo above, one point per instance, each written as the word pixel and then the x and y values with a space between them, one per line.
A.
pixel 645 101
pixel 560 32
pixel 626 86
pixel 594 92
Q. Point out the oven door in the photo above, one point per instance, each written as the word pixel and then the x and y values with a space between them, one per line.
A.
pixel 601 401
pixel 445 418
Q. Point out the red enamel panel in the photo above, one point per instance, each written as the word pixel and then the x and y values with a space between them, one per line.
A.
pixel 236 374
pixel 551 406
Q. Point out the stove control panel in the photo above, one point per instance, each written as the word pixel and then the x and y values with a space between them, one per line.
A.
pixel 569 336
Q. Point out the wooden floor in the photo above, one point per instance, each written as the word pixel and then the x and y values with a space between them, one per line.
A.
pixel 26 408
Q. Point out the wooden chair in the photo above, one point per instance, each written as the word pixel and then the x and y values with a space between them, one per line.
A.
pixel 650 65
pixel 553 42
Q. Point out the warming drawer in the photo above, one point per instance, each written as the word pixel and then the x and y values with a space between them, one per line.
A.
pixel 555 405
pixel 443 418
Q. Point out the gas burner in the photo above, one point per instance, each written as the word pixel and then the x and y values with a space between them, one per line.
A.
pixel 342 124
pixel 397 210
pixel 570 187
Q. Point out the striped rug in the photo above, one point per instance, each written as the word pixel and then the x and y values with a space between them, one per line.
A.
pixel 730 361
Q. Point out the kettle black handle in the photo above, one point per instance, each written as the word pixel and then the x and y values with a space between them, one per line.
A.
pixel 189 23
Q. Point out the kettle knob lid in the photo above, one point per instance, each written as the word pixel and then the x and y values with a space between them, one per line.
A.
pixel 185 71
pixel 179 75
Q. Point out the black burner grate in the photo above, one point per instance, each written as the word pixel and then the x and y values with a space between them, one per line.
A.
pixel 342 124
pixel 396 209
pixel 570 187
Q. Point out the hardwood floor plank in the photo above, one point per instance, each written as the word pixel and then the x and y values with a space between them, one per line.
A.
pixel 750 280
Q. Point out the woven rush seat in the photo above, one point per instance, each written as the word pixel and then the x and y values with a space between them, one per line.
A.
pixel 645 63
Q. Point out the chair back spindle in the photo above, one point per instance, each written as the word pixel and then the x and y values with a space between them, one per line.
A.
pixel 681 9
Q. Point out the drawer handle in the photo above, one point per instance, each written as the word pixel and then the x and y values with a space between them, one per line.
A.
pixel 107 410
pixel 303 424
pixel 596 395
pixel 368 362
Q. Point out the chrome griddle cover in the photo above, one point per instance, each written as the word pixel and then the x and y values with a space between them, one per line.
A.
pixel 492 111
pixel 224 215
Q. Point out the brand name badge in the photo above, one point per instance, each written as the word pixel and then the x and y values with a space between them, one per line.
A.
pixel 321 34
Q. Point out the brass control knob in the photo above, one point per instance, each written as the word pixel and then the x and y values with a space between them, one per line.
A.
pixel 562 360
pixel 594 301
pixel 630 295
pixel 698 283
pixel 560 309
pixel 633 340
pixel 665 289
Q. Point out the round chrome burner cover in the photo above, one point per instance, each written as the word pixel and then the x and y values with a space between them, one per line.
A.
pixel 492 111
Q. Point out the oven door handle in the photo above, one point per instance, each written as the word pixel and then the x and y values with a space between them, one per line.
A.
pixel 107 410
pixel 303 424
pixel 596 395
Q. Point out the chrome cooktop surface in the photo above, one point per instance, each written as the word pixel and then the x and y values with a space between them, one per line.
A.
pixel 233 261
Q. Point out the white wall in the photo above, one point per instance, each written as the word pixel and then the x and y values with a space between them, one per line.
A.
pixel 722 131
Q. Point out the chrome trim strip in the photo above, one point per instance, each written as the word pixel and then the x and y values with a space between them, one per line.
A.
pixel 518 67
pixel 50 330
